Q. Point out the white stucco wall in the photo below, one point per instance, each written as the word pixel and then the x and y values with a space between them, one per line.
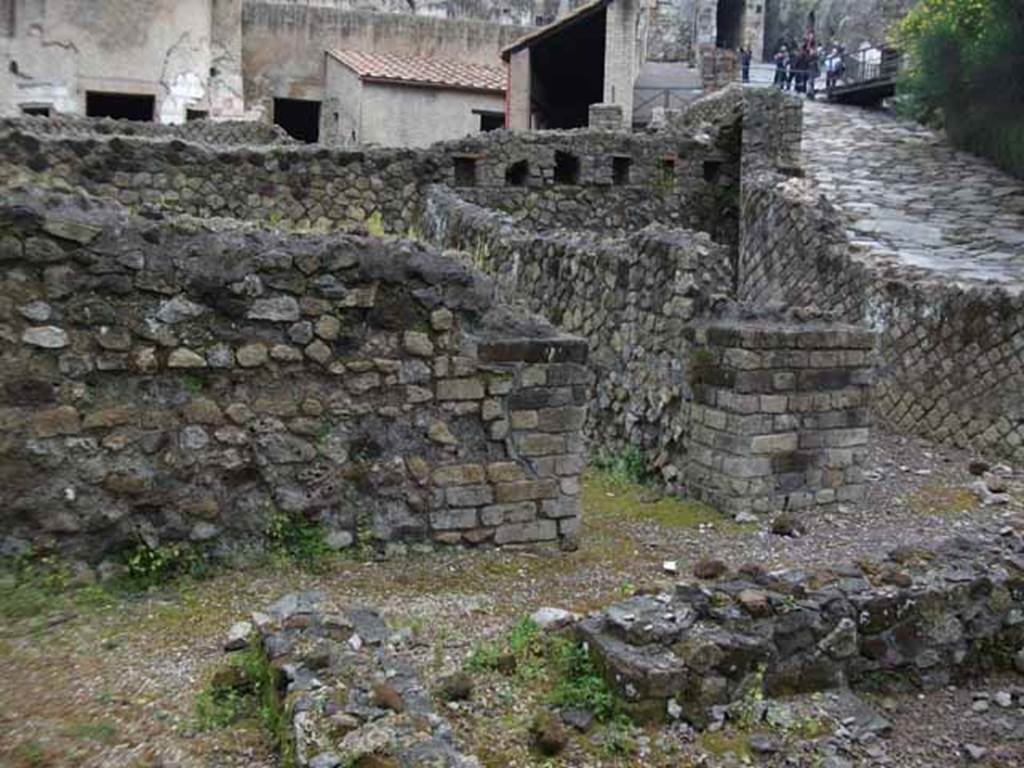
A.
pixel 63 49
pixel 343 96
pixel 403 116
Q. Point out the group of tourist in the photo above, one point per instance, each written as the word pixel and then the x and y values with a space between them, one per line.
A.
pixel 799 69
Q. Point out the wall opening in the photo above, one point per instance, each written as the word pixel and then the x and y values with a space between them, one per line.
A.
pixel 567 168
pixel 517 174
pixel 300 118
pixel 667 171
pixel 120 106
pixel 196 114
pixel 729 23
pixel 465 171
pixel 567 72
pixel 36 110
pixel 711 170
pixel 490 121
pixel 620 170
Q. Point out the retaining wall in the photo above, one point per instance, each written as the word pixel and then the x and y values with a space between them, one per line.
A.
pixel 168 381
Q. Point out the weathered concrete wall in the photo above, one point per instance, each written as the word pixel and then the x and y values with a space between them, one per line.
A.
pixel 631 298
pixel 403 116
pixel 192 381
pixel 283 44
pixel 926 618
pixel 61 50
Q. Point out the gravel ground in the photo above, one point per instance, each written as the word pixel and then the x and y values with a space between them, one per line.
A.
pixel 113 683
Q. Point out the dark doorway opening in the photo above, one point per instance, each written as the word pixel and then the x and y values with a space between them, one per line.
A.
pixel 729 22
pixel 300 118
pixel 567 168
pixel 567 72
pixel 620 171
pixel 196 114
pixel 517 174
pixel 491 121
pixel 120 106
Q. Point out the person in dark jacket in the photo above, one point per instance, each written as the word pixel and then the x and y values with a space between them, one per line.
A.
pixel 745 58
pixel 781 62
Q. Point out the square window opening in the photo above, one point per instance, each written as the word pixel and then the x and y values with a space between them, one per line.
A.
pixel 567 168
pixel 465 171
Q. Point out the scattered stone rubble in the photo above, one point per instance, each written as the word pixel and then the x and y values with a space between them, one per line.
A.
pixel 349 695
pixel 928 617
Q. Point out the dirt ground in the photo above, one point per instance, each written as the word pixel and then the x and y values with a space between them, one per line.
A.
pixel 94 680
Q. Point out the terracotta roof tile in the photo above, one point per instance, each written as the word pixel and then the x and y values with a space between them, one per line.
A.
pixel 423 71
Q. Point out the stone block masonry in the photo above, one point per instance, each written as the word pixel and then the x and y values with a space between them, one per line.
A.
pixel 924 618
pixel 200 382
pixel 631 297
pixel 780 414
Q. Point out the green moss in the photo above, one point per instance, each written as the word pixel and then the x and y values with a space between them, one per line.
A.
pixel 375 224
pixel 721 743
pixel 938 498
pixel 605 496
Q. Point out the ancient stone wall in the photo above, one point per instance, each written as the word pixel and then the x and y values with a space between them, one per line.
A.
pixel 951 358
pixel 921 618
pixel 780 416
pixel 240 132
pixel 309 187
pixel 168 381
pixel 631 298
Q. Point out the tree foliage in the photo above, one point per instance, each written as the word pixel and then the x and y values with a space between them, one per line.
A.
pixel 966 74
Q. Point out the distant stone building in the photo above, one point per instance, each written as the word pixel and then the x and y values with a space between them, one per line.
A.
pixel 169 61
pixel 405 101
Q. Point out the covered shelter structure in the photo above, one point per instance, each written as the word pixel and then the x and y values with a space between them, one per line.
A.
pixel 590 56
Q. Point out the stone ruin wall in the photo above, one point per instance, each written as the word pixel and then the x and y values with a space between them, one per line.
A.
pixel 168 381
pixel 631 298
pixel 926 618
pixel 241 132
pixel 300 187
pixel 951 358
pixel 780 415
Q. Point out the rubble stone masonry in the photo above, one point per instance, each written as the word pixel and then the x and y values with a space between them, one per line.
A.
pixel 198 381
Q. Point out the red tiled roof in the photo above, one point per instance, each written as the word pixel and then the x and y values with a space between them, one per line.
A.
pixel 414 70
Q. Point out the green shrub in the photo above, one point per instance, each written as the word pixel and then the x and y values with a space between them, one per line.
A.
pixel 248 688
pixel 299 539
pixel 579 683
pixel 625 467
pixel 964 74
pixel 148 566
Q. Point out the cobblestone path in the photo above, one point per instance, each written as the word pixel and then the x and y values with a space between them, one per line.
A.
pixel 914 203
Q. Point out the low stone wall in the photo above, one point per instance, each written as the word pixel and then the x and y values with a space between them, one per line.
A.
pixel 674 178
pixel 217 132
pixel 168 381
pixel 951 357
pixel 926 618
pixel 631 298
pixel 780 415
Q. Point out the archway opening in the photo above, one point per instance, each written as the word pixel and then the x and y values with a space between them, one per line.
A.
pixel 729 24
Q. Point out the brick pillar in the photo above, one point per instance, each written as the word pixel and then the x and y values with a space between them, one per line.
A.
pixel 780 417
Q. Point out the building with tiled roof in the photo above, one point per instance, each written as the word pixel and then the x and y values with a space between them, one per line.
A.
pixel 407 101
